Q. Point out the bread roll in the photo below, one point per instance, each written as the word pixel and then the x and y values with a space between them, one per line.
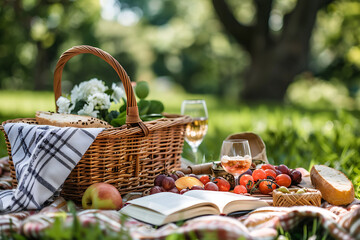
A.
pixel 334 186
pixel 69 120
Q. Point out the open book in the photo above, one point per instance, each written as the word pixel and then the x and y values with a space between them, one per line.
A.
pixel 165 207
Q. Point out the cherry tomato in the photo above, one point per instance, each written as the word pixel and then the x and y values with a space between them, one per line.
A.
pixel 266 187
pixel 184 190
pixel 283 180
pixel 222 184
pixel 205 179
pixel 211 186
pixel 247 181
pixel 240 189
pixel 270 173
pixel 259 174
pixel 268 166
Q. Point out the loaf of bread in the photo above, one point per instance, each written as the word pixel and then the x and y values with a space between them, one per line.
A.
pixel 69 120
pixel 334 186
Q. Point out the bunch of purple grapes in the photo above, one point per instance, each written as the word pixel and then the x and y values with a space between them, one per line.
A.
pixel 166 183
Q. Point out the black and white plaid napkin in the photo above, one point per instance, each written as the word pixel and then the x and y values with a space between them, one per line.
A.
pixel 43 157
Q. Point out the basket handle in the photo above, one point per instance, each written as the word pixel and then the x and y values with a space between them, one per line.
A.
pixel 132 112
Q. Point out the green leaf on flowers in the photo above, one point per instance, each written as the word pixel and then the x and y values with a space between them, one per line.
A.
pixel 109 91
pixel 119 121
pixel 111 115
pixel 155 107
pixel 142 89
pixel 78 106
pixel 150 117
pixel 143 106
pixel 122 108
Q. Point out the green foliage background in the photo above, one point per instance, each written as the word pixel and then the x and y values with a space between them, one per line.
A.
pixel 182 41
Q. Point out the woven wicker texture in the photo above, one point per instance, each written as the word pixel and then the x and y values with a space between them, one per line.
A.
pixel 311 197
pixel 128 157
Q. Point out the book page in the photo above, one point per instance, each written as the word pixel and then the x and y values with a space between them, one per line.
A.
pixel 226 201
pixel 168 203
pixel 156 218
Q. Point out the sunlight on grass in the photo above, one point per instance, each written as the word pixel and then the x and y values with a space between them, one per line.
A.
pixel 25 103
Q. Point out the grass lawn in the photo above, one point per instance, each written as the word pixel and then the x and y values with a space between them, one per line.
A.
pixel 293 136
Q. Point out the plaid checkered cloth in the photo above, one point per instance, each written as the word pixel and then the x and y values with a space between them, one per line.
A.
pixel 43 157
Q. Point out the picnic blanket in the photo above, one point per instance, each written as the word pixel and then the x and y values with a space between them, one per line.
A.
pixel 43 157
pixel 341 222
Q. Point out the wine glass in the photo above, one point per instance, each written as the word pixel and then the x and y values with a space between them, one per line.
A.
pixel 236 157
pixel 196 130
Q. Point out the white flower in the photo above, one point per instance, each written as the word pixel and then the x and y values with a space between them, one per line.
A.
pixel 86 89
pixel 117 94
pixel 88 110
pixel 99 100
pixel 63 104
pixel 76 94
pixel 92 86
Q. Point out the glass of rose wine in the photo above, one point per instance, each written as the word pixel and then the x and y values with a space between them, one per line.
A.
pixel 196 130
pixel 235 157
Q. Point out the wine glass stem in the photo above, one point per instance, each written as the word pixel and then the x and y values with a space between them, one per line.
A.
pixel 236 180
pixel 195 149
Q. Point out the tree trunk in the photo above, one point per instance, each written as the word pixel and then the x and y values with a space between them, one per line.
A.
pixel 272 70
pixel 41 68
pixel 275 60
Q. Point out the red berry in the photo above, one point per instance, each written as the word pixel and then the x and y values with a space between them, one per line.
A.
pixel 296 177
pixel 180 174
pixel 155 189
pixel 193 175
pixel 158 180
pixel 283 180
pixel 240 189
pixel 184 190
pixel 205 179
pixel 270 173
pixel 211 186
pixel 196 188
pixel 222 184
pixel 266 187
pixel 284 169
pixel 259 174
pixel 247 181
pixel 268 166
pixel 168 183
pixel 174 190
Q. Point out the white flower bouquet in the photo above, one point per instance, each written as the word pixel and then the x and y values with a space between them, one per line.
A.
pixel 94 98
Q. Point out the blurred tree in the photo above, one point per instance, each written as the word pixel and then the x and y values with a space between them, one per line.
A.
pixel 33 32
pixel 276 57
pixel 336 44
pixel 270 43
pixel 183 42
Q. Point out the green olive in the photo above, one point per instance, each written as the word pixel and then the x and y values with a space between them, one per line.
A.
pixel 283 189
pixel 300 191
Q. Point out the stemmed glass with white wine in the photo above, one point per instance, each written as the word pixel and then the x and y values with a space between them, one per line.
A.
pixel 196 130
pixel 236 157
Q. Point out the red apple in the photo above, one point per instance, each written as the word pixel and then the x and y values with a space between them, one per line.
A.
pixel 102 196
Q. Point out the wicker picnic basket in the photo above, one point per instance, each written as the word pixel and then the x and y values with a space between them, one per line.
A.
pixel 310 197
pixel 128 157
